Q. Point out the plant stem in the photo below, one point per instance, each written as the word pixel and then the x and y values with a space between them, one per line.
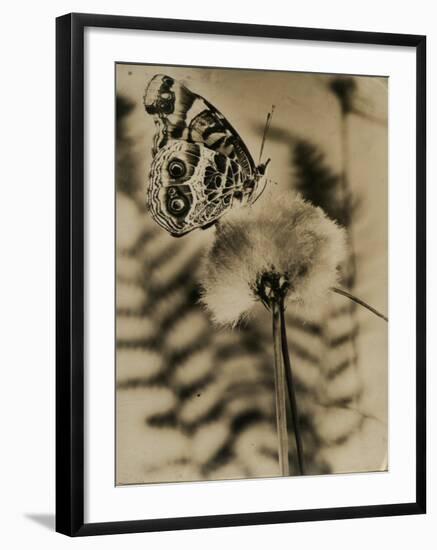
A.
pixel 357 300
pixel 291 389
pixel 280 388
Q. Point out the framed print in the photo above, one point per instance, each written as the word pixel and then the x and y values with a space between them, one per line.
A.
pixel 240 274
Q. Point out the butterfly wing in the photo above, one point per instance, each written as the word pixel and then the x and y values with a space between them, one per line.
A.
pixel 191 186
pixel 181 114
pixel 215 170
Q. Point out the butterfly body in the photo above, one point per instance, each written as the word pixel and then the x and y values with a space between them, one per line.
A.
pixel 200 166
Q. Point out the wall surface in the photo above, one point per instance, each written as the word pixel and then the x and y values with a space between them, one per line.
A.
pixel 27 210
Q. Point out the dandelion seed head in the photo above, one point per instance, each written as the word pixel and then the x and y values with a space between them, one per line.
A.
pixel 280 234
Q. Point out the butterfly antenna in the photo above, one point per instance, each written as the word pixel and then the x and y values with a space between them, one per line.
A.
pixel 266 129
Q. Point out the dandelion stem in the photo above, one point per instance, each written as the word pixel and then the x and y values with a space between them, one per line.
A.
pixel 280 388
pixel 291 389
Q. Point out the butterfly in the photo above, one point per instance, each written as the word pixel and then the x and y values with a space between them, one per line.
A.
pixel 201 167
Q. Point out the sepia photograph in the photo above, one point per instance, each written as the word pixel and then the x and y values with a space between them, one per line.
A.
pixel 251 269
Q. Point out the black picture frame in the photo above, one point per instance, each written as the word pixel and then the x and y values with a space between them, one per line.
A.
pixel 70 273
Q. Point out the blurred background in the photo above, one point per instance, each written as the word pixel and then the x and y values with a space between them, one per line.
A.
pixel 197 403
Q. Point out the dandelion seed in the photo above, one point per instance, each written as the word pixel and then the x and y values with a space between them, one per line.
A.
pixel 279 241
